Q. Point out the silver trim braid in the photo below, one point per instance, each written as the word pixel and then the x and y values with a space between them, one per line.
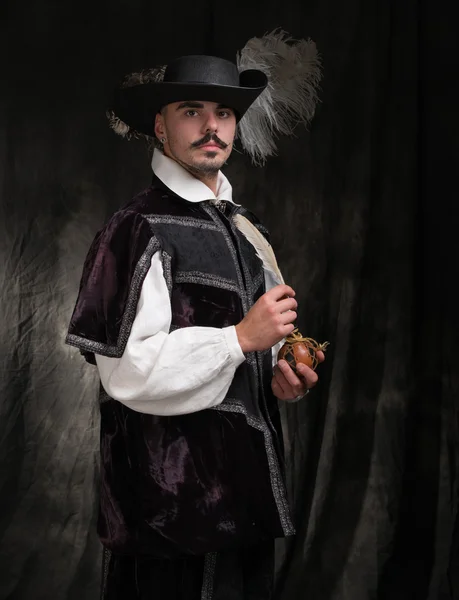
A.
pixel 210 561
pixel 277 484
pixel 129 313
pixel 207 279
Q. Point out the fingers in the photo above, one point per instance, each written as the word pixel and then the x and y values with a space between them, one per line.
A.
pixel 287 304
pixel 277 292
pixel 276 307
pixel 289 382
pixel 288 317
pixel 320 356
pixel 287 330
pixel 310 376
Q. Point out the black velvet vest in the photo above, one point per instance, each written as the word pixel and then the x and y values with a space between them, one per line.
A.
pixel 201 482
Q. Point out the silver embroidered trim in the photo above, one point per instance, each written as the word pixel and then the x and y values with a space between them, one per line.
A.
pixel 207 279
pixel 130 311
pixel 210 561
pixel 258 281
pixel 220 227
pixel 247 296
pixel 260 358
pixel 256 358
pixel 277 484
pixel 255 361
pixel 251 359
pixel 106 556
pixel 167 270
pixel 95 347
pixel 220 204
pixel 184 221
pixel 247 277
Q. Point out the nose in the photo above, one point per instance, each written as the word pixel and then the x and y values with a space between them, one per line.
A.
pixel 211 123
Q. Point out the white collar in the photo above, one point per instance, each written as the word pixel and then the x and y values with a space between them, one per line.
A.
pixel 185 185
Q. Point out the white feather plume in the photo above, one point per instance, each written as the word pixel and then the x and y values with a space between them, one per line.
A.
pixel 293 68
pixel 262 247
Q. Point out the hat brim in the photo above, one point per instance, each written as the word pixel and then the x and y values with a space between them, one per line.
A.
pixel 137 105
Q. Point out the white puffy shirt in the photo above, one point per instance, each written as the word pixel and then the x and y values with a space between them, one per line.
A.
pixel 189 369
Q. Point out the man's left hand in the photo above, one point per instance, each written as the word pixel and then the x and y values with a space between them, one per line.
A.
pixel 288 386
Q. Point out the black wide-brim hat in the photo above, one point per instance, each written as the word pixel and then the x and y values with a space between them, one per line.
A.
pixel 189 78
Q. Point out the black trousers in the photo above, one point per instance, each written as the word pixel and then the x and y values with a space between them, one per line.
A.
pixel 245 574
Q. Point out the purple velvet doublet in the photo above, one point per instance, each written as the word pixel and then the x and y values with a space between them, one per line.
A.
pixel 196 484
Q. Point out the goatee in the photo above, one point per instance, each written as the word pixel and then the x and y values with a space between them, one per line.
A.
pixel 206 168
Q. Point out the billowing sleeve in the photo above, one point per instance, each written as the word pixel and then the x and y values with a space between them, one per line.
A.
pixel 164 373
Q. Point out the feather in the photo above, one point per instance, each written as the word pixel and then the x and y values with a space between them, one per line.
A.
pixel 262 247
pixel 293 69
pixel 119 126
pixel 154 75
pixel 146 76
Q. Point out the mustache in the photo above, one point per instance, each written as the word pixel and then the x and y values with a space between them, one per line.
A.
pixel 209 137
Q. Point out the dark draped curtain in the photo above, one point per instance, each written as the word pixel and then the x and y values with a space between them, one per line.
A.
pixel 362 212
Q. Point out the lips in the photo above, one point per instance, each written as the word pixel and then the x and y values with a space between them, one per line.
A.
pixel 210 147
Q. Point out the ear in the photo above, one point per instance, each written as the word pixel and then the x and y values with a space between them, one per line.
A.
pixel 159 126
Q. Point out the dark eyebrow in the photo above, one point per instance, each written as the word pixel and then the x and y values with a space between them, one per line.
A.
pixel 190 105
pixel 199 105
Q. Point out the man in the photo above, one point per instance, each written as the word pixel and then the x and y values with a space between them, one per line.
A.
pixel 184 323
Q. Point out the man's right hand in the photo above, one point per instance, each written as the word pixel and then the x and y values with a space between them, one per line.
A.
pixel 268 321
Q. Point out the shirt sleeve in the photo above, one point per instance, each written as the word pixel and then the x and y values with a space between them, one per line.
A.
pixel 164 373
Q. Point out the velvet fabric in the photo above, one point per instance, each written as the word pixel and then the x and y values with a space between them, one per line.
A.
pixel 188 484
pixel 247 574
pixel 118 260
pixel 200 483
pixel 106 281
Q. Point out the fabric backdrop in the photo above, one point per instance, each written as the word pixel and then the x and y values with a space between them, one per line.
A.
pixel 362 212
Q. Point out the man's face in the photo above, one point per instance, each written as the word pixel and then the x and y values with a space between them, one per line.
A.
pixel 199 135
